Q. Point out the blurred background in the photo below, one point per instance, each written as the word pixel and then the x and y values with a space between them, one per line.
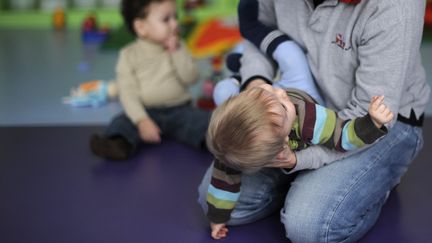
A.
pixel 50 50
pixel 54 53
pixel 57 58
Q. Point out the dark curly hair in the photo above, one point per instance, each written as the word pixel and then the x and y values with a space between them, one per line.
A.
pixel 133 9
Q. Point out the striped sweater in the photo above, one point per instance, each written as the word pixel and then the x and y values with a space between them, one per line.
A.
pixel 314 125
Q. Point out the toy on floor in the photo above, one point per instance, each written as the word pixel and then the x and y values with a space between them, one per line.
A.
pixel 94 93
pixel 91 32
pixel 59 19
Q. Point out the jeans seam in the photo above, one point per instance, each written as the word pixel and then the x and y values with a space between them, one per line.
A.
pixel 344 196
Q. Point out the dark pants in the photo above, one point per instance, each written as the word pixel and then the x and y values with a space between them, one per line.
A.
pixel 184 123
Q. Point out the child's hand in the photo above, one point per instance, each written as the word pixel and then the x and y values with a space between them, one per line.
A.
pixel 172 43
pixel 286 159
pixel 218 231
pixel 379 112
pixel 149 131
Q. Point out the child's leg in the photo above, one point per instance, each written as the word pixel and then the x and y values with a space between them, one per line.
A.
pixel 119 140
pixel 294 68
pixel 186 124
pixel 277 45
pixel 123 126
pixel 225 89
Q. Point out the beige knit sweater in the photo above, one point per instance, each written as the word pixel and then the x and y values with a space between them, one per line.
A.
pixel 149 76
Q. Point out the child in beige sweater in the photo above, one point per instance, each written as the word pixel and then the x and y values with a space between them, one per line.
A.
pixel 153 75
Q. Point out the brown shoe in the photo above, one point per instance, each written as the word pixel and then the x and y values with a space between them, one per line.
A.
pixel 110 148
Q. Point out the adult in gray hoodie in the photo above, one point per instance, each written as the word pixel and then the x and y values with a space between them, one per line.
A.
pixel 356 49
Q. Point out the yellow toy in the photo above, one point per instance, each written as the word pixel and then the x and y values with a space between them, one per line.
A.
pixel 59 19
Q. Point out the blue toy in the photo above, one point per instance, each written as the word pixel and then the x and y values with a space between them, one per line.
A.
pixel 94 93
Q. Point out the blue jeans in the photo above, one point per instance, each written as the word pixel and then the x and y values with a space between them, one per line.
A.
pixel 339 202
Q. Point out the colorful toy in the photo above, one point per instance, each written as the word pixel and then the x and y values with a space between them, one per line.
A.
pixel 428 13
pixel 59 19
pixel 232 62
pixel 89 23
pixel 94 93
pixel 90 31
pixel 213 37
pixel 193 4
pixel 206 100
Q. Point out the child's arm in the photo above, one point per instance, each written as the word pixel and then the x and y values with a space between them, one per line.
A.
pixel 128 88
pixel 131 101
pixel 223 193
pixel 290 58
pixel 185 65
pixel 322 126
pixel 262 36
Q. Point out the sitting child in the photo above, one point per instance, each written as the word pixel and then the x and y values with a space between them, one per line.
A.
pixel 153 75
pixel 261 127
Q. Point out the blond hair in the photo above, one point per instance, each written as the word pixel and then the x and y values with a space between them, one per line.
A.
pixel 245 131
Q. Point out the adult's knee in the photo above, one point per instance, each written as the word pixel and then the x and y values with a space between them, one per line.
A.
pixel 345 220
pixel 312 226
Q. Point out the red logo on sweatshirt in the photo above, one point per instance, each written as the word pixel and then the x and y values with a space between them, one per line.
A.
pixel 351 1
pixel 340 41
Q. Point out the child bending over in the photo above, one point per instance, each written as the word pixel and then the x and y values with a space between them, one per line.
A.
pixel 153 75
pixel 261 127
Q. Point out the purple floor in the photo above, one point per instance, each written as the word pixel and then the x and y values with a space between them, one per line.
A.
pixel 53 190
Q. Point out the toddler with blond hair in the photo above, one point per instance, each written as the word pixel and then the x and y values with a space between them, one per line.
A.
pixel 263 125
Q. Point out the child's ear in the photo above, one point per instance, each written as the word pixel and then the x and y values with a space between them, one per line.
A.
pixel 140 27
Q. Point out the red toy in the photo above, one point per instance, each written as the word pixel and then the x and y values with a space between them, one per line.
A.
pixel 428 14
pixel 91 32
